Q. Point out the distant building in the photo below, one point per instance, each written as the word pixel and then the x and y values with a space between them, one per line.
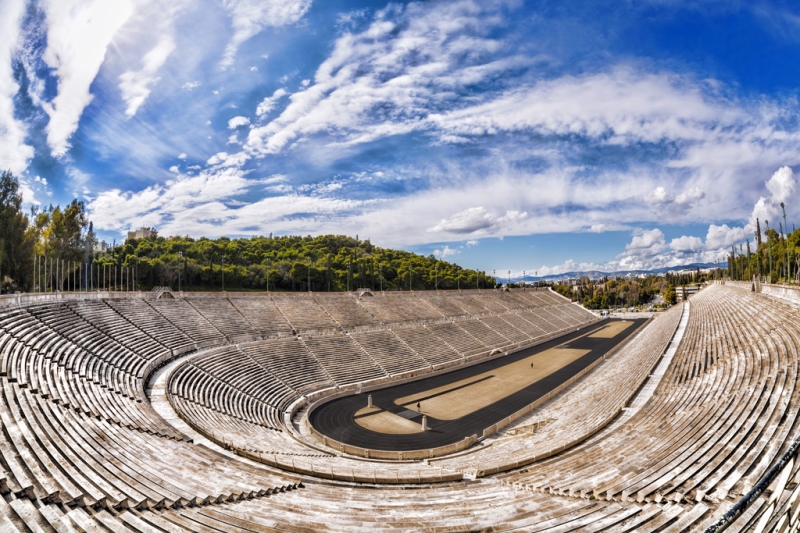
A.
pixel 690 291
pixel 143 233
pixel 100 247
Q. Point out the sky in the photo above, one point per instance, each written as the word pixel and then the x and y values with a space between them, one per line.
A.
pixel 544 136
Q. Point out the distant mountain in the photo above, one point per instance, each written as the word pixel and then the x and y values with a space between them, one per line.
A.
pixel 595 274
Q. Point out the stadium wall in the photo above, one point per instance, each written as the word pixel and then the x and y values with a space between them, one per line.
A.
pixel 786 293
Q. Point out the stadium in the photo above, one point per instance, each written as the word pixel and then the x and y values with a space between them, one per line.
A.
pixel 168 411
pixel 440 266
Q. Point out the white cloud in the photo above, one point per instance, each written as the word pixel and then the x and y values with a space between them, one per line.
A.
pixel 249 17
pixel 657 196
pixel 182 156
pixel 467 221
pixel 406 64
pixel 687 244
pixel 646 243
pixel 78 34
pixel 570 266
pixel 690 196
pixel 405 71
pixel 268 103
pixel 610 226
pixel 204 205
pixel 237 122
pixel 781 186
pixel 475 220
pixel 347 19
pixel 135 86
pixel 253 69
pixel 722 237
pixel 623 105
pixel 26 190
pixel 190 85
pixel 217 158
pixel 14 153
pixel 671 207
pixel 445 252
pixel 472 242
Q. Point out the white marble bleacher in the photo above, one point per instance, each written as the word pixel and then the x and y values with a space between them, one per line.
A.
pixel 75 471
pixel 344 360
pixel 390 352
pixel 305 314
pixel 415 306
pixel 111 323
pixel 347 312
pixel 454 507
pixel 502 326
pixel 241 374
pixel 458 339
pixel 93 343
pixel 702 437
pixel 143 316
pixel 290 360
pixel 493 301
pixel 485 334
pixel 435 351
pixel 67 373
pixel 471 304
pixel 384 308
pixel 515 300
pixel 70 458
pixel 527 323
pixel 445 305
pixel 263 315
pixel 575 316
pixel 185 318
pixel 225 317
pixel 547 318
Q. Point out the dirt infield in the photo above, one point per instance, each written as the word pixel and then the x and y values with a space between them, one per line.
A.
pixel 611 330
pixel 464 402
pixel 454 401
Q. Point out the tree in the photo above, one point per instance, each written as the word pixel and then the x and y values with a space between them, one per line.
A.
pixel 16 238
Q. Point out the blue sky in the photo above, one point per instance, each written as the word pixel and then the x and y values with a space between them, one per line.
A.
pixel 537 136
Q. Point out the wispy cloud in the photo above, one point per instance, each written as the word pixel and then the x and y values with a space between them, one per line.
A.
pixel 249 17
pixel 14 152
pixel 135 85
pixel 206 205
pixel 78 35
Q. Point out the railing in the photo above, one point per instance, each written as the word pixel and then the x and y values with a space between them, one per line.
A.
pixel 779 512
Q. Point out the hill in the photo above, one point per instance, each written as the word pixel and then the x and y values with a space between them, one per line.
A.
pixel 322 263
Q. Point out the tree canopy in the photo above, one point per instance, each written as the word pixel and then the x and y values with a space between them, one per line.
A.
pixel 285 263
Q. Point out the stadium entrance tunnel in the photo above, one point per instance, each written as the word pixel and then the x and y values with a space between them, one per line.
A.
pixel 456 408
